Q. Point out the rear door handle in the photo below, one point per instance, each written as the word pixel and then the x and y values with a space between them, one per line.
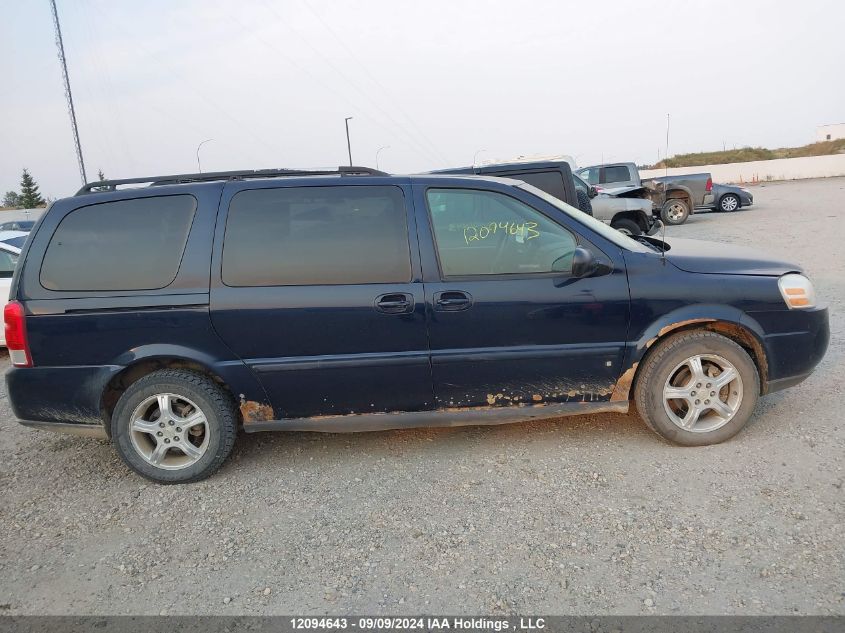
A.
pixel 395 303
pixel 452 300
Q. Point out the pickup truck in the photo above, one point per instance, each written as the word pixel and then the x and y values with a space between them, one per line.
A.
pixel 673 197
pixel 629 214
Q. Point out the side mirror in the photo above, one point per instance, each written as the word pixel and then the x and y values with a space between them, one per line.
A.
pixel 593 192
pixel 584 262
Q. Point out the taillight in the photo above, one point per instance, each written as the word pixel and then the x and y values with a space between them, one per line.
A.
pixel 16 341
pixel 709 186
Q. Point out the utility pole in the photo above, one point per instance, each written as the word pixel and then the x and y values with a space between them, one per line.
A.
pixel 60 45
pixel 348 144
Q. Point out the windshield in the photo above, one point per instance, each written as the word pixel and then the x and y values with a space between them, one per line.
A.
pixel 598 226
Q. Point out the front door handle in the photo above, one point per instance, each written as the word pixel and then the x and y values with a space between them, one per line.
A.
pixel 452 300
pixel 395 303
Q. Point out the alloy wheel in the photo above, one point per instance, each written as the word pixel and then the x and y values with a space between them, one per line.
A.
pixel 729 203
pixel 702 393
pixel 169 431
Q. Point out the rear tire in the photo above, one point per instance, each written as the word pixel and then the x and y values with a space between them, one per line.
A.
pixel 627 227
pixel 174 426
pixel 674 212
pixel 697 402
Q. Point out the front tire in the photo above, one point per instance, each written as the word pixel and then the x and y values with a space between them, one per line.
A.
pixel 697 388
pixel 627 227
pixel 729 203
pixel 674 212
pixel 174 426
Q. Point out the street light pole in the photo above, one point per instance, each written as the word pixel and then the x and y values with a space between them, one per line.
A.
pixel 348 144
pixel 199 166
pixel 378 151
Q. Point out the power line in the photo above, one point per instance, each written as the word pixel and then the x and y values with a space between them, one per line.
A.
pixel 375 81
pixel 363 93
pixel 60 45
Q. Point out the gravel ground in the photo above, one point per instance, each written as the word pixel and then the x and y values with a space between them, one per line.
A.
pixel 589 515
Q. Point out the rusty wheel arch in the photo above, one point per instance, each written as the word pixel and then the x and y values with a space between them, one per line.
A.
pixel 739 334
pixel 133 373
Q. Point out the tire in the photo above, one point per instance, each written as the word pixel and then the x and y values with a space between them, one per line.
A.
pixel 674 212
pixel 729 203
pixel 201 415
pixel 626 226
pixel 669 367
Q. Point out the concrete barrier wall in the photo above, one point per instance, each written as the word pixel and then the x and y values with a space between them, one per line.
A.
pixel 762 170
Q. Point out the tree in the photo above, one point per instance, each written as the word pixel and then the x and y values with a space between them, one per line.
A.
pixel 12 200
pixel 101 177
pixel 30 197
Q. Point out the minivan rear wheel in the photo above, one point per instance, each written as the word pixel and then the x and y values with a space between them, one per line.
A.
pixel 174 426
pixel 697 388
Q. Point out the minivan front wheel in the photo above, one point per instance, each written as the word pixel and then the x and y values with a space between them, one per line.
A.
pixel 174 426
pixel 697 388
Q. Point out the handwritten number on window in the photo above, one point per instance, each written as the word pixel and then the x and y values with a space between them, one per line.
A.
pixel 527 230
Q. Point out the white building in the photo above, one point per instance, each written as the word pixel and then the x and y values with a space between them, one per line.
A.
pixel 830 132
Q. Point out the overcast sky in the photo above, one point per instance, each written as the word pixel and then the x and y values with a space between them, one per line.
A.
pixel 271 82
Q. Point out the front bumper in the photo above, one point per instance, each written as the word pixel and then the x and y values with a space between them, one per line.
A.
pixel 795 343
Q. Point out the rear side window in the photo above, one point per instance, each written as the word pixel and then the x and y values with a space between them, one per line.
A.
pixel 617 173
pixel 123 245
pixel 549 181
pixel 303 236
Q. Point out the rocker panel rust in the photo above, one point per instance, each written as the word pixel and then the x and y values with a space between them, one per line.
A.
pixel 253 412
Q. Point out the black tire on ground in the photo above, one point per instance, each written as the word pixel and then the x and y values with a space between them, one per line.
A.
pixel 210 398
pixel 675 211
pixel 729 202
pixel 626 226
pixel 655 372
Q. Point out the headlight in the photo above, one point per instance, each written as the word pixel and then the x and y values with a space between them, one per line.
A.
pixel 797 291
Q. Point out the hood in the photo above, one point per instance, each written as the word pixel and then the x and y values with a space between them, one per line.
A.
pixel 698 256
pixel 620 191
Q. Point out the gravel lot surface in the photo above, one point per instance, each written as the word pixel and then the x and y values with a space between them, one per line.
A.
pixel 589 515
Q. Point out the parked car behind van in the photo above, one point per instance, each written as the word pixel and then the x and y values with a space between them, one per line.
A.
pixel 729 198
pixel 8 261
pixel 630 215
pixel 168 317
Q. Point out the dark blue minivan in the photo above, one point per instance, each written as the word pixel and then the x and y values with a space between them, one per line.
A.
pixel 168 316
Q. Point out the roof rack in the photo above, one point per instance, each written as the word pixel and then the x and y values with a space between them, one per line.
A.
pixel 111 185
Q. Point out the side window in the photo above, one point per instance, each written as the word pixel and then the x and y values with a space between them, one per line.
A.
pixel 580 185
pixel 616 173
pixel 8 261
pixel 124 245
pixel 590 174
pixel 549 181
pixel 302 236
pixel 489 233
